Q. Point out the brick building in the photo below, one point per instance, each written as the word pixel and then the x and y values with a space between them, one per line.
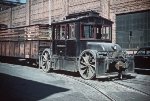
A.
pixel 131 26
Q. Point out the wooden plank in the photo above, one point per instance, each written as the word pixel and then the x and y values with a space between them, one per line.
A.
pixel 0 49
pixel 17 49
pixel 34 49
pixel 7 48
pixel 12 47
pixel 27 49
pixel 3 49
pixel 22 52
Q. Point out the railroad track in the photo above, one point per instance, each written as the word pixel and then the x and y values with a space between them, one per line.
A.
pixel 106 94
pixel 124 85
pixel 143 82
pixel 96 88
pixel 85 82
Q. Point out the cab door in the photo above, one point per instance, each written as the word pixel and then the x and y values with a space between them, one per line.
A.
pixel 59 44
pixel 71 41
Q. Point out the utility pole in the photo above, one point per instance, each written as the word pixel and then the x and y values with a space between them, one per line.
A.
pixel 108 9
pixel 49 8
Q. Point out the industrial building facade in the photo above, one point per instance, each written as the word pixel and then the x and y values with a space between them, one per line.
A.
pixel 131 28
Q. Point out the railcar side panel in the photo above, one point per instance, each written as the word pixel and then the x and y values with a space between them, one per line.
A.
pixel 7 48
pixel 34 49
pixel 17 49
pixel 27 49
pixel 22 49
pixel 0 49
pixel 12 49
pixel 3 49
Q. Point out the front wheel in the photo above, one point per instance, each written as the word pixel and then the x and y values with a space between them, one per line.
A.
pixel 87 64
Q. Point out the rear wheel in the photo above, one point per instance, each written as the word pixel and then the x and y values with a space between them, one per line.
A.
pixel 87 64
pixel 46 60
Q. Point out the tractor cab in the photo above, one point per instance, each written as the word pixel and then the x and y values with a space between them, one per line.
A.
pixel 71 35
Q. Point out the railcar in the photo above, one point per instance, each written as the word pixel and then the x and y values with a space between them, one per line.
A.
pixel 22 44
pixel 82 42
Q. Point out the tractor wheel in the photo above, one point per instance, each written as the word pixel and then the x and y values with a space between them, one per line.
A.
pixel 87 64
pixel 46 60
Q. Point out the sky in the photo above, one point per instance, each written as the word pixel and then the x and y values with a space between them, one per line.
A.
pixel 22 1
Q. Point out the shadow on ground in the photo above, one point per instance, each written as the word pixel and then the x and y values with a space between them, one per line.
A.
pixel 18 89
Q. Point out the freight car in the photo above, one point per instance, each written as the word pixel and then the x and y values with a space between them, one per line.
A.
pixel 22 44
pixel 82 42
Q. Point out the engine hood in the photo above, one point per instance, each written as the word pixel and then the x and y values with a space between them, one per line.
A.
pixel 101 46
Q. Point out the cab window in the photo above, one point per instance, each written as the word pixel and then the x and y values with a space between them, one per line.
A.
pixel 88 31
pixel 60 32
pixel 106 32
pixel 63 32
pixel 71 34
pixel 57 32
pixel 98 32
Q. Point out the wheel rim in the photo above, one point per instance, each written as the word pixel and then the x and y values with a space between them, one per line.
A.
pixel 45 61
pixel 87 65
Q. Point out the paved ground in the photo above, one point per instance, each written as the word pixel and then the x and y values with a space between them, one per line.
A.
pixel 22 83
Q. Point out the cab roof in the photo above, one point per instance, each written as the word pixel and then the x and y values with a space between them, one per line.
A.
pixel 83 16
